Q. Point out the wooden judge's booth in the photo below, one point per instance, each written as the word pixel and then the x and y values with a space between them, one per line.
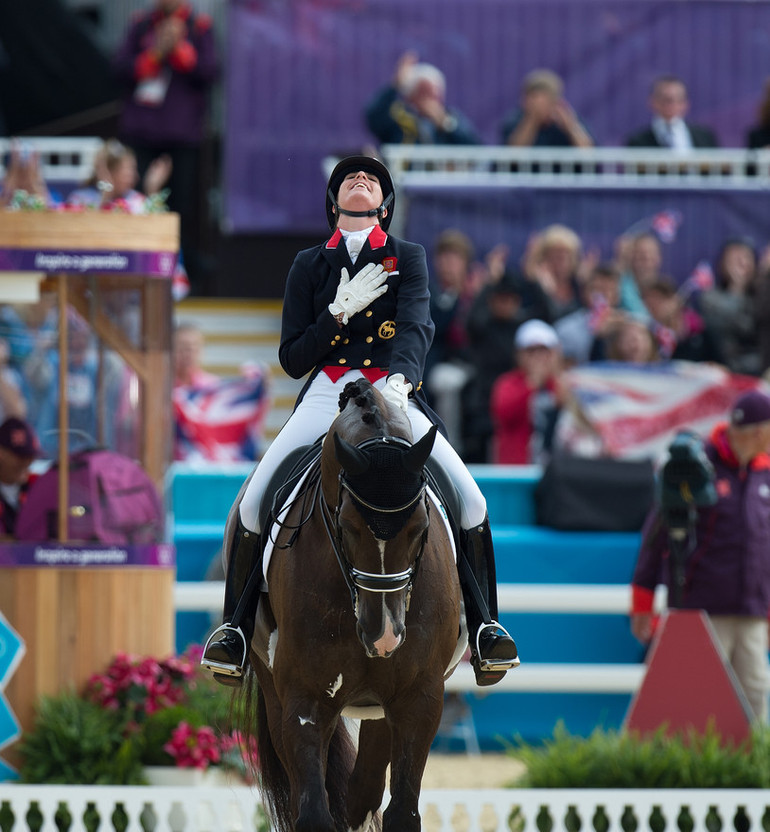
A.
pixel 77 603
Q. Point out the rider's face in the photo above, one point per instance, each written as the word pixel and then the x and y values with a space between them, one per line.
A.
pixel 360 191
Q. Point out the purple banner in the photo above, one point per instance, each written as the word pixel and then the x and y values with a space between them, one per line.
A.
pixel 492 216
pixel 86 556
pixel 300 73
pixel 151 263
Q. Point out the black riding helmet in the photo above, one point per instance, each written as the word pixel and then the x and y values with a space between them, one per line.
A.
pixel 352 164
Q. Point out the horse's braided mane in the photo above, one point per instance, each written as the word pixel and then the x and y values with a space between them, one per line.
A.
pixel 362 394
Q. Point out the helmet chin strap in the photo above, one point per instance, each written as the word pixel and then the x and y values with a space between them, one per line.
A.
pixel 372 212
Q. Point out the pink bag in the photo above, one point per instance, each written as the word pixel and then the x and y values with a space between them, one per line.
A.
pixel 111 499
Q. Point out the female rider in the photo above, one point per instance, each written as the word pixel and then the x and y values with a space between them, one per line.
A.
pixel 375 324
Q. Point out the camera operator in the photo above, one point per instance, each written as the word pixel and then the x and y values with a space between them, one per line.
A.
pixel 726 569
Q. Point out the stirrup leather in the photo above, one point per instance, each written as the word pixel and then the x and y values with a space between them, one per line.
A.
pixel 494 664
pixel 223 667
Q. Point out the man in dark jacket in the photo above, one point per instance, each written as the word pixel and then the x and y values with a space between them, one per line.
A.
pixel 668 128
pixel 412 109
pixel 728 572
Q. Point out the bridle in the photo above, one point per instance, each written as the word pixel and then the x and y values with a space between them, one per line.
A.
pixel 357 579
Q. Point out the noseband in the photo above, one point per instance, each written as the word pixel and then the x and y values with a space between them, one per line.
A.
pixel 357 579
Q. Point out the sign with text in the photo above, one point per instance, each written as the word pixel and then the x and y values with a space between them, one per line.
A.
pixel 11 652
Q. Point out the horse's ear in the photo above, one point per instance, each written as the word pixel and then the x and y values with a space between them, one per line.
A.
pixel 416 457
pixel 352 460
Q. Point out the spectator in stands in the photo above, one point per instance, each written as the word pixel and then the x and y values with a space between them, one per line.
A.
pixel 94 388
pixel 544 118
pixel 168 64
pixel 18 450
pixel 503 304
pixel 215 419
pixel 728 573
pixel 642 259
pixel 669 105
pixel 412 109
pixel 30 330
pixel 453 287
pixel 633 342
pixel 553 260
pixel 526 401
pixel 188 354
pixel 692 339
pixel 762 312
pixel 759 135
pixel 115 176
pixel 12 401
pixel 583 333
pixel 24 175
pixel 729 307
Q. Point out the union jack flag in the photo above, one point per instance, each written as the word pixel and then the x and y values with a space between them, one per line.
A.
pixel 222 421
pixel 666 339
pixel 701 280
pixel 665 224
pixel 632 411
pixel 600 308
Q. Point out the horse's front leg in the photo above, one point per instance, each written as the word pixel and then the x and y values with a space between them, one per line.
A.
pixel 414 720
pixel 367 780
pixel 307 730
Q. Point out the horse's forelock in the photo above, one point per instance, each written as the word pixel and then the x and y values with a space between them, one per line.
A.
pixel 364 413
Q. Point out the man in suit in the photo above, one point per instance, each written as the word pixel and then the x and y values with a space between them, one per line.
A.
pixel 668 128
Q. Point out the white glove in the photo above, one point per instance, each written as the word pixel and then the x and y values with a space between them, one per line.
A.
pixel 356 294
pixel 396 391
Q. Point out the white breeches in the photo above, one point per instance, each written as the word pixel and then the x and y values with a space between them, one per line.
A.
pixel 313 417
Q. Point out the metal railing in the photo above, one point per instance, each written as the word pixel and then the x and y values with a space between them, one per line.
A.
pixel 599 167
pixel 62 158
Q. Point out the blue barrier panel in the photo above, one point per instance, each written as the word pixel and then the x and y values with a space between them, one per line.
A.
pixel 11 652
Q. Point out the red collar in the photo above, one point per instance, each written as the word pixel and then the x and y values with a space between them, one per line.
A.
pixel 377 238
pixel 721 441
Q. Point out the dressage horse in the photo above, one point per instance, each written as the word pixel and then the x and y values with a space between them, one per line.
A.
pixel 361 620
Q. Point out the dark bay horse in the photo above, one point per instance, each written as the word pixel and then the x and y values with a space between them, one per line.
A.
pixel 362 620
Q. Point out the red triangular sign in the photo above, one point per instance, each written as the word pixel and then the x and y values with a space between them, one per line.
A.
pixel 689 683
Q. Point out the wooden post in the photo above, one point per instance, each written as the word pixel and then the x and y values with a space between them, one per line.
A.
pixel 64 444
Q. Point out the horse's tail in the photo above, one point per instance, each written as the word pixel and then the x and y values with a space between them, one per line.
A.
pixel 273 781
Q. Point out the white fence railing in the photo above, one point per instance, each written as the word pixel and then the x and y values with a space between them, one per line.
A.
pixel 238 809
pixel 62 158
pixel 601 167
pixel 530 676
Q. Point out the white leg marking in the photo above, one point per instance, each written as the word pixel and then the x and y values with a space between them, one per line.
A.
pixel 272 643
pixel 305 720
pixel 365 826
pixel 335 686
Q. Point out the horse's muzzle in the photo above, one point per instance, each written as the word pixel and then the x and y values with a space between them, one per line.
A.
pixel 385 644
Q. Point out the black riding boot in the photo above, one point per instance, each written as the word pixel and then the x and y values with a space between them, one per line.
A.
pixel 226 657
pixel 493 651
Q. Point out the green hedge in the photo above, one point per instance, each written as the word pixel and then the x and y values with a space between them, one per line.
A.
pixel 617 760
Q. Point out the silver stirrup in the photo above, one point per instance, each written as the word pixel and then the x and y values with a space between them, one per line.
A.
pixel 492 664
pixel 223 667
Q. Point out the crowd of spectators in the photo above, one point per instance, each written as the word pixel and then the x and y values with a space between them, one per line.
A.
pixel 413 109
pixel 507 328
